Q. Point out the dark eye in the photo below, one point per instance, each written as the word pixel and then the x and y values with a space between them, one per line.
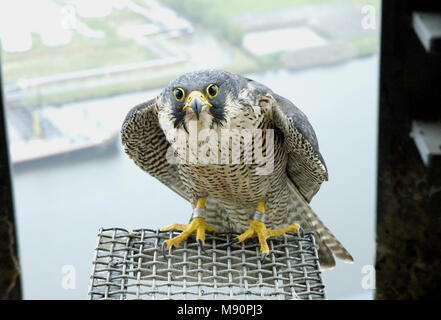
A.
pixel 179 94
pixel 212 90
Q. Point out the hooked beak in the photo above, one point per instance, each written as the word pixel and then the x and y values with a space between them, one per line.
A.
pixel 197 102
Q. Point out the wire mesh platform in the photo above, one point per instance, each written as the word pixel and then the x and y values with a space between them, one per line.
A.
pixel 130 265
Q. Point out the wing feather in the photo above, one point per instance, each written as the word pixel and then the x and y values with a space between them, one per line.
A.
pixel 145 143
pixel 305 167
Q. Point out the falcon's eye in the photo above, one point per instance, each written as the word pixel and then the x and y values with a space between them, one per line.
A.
pixel 212 90
pixel 179 94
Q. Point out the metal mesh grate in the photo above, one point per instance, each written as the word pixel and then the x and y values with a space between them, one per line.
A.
pixel 130 265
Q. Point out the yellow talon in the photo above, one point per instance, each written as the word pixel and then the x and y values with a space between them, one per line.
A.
pixel 197 225
pixel 259 230
pixel 282 232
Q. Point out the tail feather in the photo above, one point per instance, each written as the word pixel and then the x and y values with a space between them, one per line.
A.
pixel 326 241
pixel 326 258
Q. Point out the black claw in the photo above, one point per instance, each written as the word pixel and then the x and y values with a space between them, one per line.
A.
pixel 301 232
pixel 201 246
pixel 229 244
pixel 164 253
pixel 262 259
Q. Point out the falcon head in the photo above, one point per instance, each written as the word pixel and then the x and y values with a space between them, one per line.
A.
pixel 203 96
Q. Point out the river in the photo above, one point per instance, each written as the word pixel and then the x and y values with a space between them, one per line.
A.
pixel 60 205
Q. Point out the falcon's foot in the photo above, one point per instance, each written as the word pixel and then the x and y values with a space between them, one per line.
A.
pixel 198 226
pixel 258 229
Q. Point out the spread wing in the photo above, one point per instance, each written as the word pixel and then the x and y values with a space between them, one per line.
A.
pixel 305 167
pixel 145 143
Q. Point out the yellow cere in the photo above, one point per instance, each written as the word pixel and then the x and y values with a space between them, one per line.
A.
pixel 198 94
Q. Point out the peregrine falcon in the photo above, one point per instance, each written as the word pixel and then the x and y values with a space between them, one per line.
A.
pixel 234 193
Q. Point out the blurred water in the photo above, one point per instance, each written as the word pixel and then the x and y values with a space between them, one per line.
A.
pixel 61 205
